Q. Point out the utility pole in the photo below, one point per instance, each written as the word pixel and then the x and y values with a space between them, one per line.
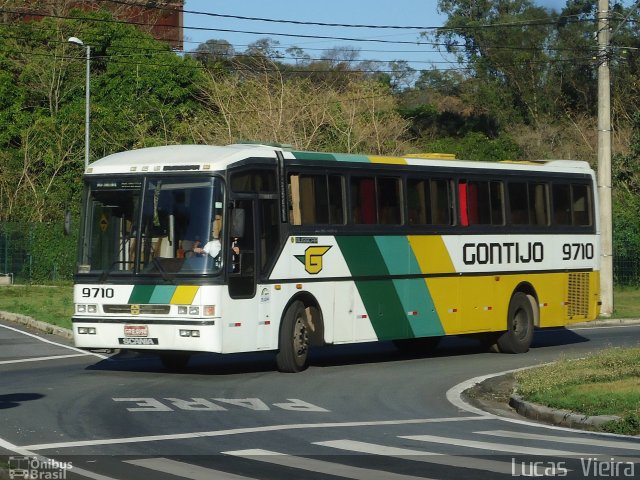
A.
pixel 604 160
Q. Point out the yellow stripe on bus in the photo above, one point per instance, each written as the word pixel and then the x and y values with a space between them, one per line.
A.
pixel 431 253
pixel 390 160
pixel 184 295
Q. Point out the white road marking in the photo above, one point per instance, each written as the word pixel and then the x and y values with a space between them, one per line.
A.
pixel 313 465
pixel 184 470
pixel 419 455
pixel 54 343
pixel 573 440
pixel 496 447
pixel 239 431
pixel 40 359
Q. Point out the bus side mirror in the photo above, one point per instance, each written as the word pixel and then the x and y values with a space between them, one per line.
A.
pixel 67 222
pixel 237 222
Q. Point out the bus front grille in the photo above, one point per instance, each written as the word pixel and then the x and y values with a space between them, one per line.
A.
pixel 137 309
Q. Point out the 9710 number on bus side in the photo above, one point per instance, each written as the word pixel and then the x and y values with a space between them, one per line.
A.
pixel 577 251
pixel 96 292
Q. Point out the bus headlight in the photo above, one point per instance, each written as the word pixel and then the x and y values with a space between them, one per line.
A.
pixel 86 330
pixel 84 308
pixel 189 333
pixel 194 310
pixel 209 310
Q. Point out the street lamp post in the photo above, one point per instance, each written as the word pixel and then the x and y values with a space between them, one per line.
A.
pixel 77 41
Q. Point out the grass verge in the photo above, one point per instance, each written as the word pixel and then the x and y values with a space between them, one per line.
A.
pixel 604 383
pixel 51 304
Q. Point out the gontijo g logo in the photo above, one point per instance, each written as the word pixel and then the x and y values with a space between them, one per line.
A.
pixel 312 258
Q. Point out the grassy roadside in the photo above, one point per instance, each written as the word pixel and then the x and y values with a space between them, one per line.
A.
pixel 604 383
pixel 51 304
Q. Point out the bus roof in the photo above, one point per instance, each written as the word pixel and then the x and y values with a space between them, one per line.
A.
pixel 176 158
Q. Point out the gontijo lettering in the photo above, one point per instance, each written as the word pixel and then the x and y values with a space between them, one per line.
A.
pixel 505 252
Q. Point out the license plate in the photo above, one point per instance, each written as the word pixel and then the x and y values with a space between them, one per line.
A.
pixel 138 341
pixel 136 330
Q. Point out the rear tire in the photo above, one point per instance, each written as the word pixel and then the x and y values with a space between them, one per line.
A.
pixel 293 353
pixel 520 319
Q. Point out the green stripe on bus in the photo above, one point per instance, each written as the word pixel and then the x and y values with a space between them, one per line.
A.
pixel 313 156
pixel 343 157
pixel 340 157
pixel 162 294
pixel 417 304
pixel 380 297
pixel 141 294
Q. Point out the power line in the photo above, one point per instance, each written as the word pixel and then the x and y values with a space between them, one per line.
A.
pixel 343 25
pixel 249 32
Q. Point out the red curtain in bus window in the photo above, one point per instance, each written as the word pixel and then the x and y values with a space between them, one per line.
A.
pixel 462 194
pixel 472 203
pixel 368 200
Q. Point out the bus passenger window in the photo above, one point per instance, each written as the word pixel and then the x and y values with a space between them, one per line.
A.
pixel 561 204
pixel 418 197
pixel 496 199
pixel 539 206
pixel 336 199
pixel 581 203
pixel 363 200
pixel 518 203
pixel 389 201
pixel 441 202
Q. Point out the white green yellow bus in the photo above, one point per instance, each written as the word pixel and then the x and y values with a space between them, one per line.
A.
pixel 333 249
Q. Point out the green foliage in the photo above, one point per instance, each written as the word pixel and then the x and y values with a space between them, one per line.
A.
pixel 476 146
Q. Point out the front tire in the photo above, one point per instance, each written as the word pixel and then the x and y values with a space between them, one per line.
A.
pixel 519 334
pixel 293 353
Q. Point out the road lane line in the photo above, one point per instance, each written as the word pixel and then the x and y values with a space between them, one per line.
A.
pixel 184 470
pixel 250 430
pixel 496 447
pixel 419 455
pixel 104 357
pixel 40 359
pixel 573 440
pixel 313 465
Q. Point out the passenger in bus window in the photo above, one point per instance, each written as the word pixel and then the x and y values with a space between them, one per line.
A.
pixel 214 246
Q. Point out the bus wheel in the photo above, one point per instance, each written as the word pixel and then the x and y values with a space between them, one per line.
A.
pixel 293 355
pixel 174 361
pixel 519 334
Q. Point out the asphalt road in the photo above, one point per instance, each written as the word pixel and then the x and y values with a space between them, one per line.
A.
pixel 361 411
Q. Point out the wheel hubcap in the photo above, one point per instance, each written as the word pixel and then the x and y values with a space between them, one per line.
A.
pixel 300 338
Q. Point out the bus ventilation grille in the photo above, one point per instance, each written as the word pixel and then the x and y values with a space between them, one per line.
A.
pixel 142 309
pixel 578 295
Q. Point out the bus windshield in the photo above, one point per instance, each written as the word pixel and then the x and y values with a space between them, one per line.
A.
pixel 152 226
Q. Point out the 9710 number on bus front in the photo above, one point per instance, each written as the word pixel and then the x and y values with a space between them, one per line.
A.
pixel 577 251
pixel 96 292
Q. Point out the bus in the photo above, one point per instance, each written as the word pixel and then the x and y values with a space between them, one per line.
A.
pixel 317 249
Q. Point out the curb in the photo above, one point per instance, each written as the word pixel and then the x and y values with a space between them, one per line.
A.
pixel 564 418
pixel 37 324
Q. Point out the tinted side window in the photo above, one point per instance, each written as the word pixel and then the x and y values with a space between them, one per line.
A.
pixel 316 199
pixel 363 200
pixel 561 199
pixel 254 181
pixel 485 203
pixel 581 205
pixel 428 201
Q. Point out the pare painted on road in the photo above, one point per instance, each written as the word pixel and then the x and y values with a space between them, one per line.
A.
pixel 170 404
